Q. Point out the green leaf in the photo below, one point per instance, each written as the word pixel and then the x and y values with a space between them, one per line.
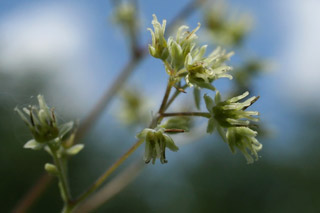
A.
pixel 74 149
pixel 51 169
pixel 33 144
pixel 197 96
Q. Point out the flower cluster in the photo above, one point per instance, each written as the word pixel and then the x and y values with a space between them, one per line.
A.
pixel 184 58
pixel 156 142
pixel 231 115
pixel 203 71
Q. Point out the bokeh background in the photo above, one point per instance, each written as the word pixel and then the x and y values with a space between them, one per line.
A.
pixel 71 51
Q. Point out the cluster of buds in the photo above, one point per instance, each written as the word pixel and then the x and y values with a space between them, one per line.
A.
pixel 232 115
pixel 184 58
pixel 156 142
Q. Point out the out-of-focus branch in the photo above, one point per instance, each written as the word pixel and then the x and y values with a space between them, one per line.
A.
pixel 88 122
pixel 116 185
pixel 31 196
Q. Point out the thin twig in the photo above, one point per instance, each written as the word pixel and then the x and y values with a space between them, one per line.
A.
pixel 87 123
pixel 108 172
pixel 165 97
pixel 200 114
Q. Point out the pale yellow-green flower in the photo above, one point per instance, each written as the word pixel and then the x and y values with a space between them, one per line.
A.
pixel 158 48
pixel 202 71
pixel 244 139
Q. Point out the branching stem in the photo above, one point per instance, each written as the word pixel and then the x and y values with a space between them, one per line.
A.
pixel 200 114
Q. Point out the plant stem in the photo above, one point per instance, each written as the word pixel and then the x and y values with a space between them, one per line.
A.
pixel 165 97
pixel 112 187
pixel 63 182
pixel 200 114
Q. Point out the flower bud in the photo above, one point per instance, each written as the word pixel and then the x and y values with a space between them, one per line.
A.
pixel 158 48
pixel 41 121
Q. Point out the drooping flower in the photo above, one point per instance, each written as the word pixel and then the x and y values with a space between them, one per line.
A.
pixel 156 142
pixel 244 139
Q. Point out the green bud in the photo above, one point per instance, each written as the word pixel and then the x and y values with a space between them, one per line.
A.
pixel 75 149
pixel 41 121
pixel 51 169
